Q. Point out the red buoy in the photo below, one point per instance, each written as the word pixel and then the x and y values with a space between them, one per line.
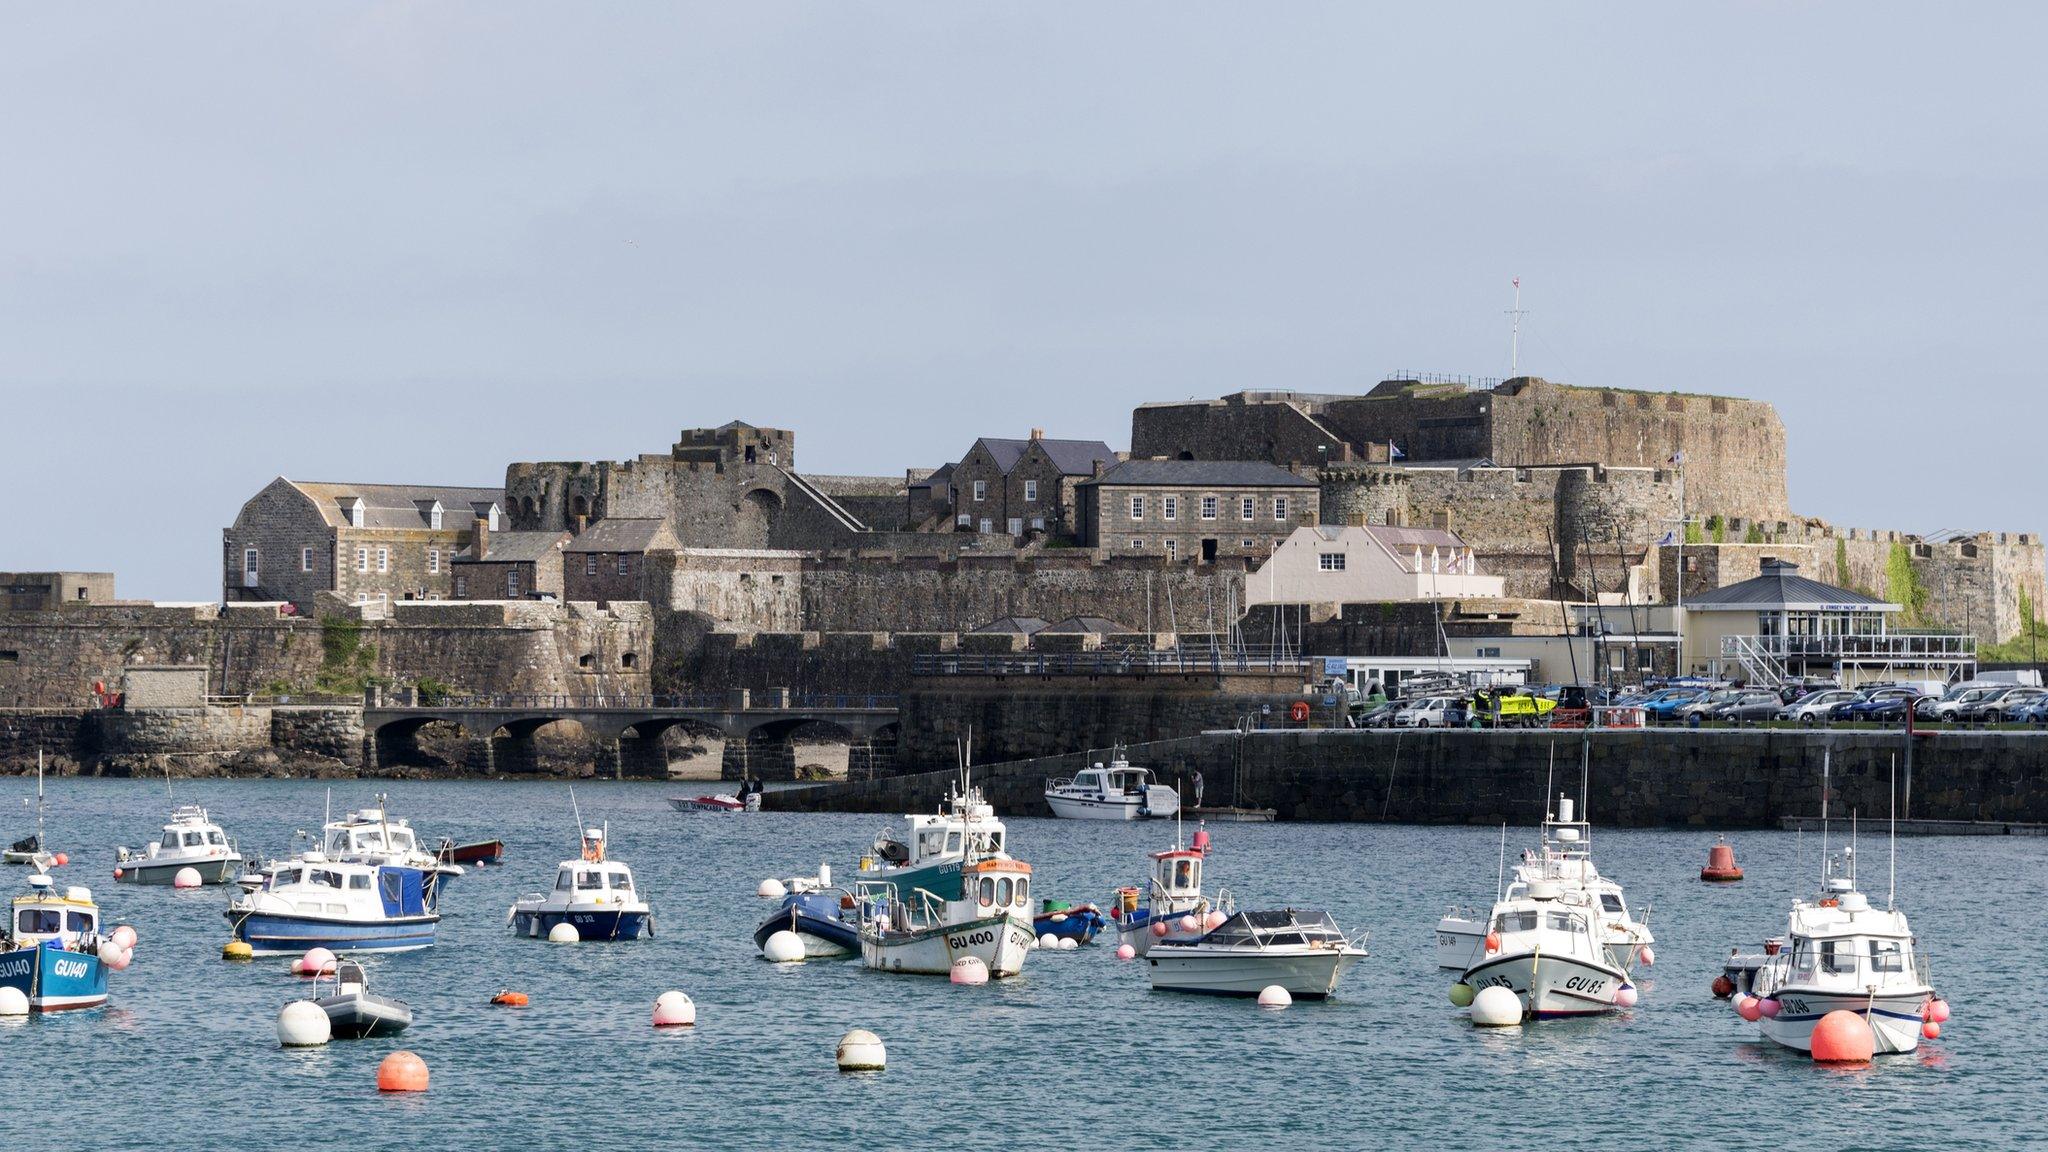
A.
pixel 1721 867
pixel 1843 1037
pixel 1723 987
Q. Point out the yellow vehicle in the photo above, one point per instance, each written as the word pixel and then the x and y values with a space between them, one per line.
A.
pixel 1511 710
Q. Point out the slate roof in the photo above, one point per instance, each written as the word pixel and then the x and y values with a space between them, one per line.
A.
pixel 1025 625
pixel 516 548
pixel 1402 539
pixel 1101 624
pixel 1201 474
pixel 400 505
pixel 625 534
pixel 940 477
pixel 1781 586
pixel 1071 457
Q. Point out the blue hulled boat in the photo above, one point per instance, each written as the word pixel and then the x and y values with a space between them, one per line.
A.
pixel 51 948
pixel 594 895
pixel 1077 922
pixel 820 918
pixel 314 902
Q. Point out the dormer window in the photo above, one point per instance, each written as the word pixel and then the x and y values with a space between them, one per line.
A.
pixel 492 518
pixel 434 517
pixel 356 513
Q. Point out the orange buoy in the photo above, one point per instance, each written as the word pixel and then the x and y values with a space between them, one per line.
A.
pixel 1721 867
pixel 402 1072
pixel 1723 987
pixel 1492 942
pixel 509 999
pixel 1930 1029
pixel 1843 1037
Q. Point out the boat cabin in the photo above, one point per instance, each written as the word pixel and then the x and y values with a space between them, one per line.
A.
pixel 585 881
pixel 43 915
pixel 313 884
pixel 1118 779
pixel 999 886
pixel 368 833
pixel 944 837
pixel 1274 928
pixel 1177 875
pixel 190 833
pixel 1538 920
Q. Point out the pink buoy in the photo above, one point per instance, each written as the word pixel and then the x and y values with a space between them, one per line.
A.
pixel 1213 921
pixel 1125 952
pixel 1937 1010
pixel 1931 1030
pixel 1649 956
pixel 1626 996
pixel 674 1010
pixel 1749 1008
pixel 970 970
pixel 1769 1006
pixel 124 936
pixel 118 873
pixel 1188 923
pixel 316 962
pixel 1159 928
pixel 117 958
pixel 60 859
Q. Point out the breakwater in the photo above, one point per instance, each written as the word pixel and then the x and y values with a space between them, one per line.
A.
pixel 1738 778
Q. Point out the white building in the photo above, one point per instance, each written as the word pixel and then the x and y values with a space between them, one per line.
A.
pixel 1369 564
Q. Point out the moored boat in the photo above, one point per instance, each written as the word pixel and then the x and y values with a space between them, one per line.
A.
pixel 190 840
pixel 1113 791
pixel 340 905
pixel 1543 944
pixel 356 1013
pixel 592 894
pixel 1300 950
pixel 917 931
pixel 1064 921
pixel 475 852
pixel 929 855
pixel 1172 894
pixel 822 918
pixel 50 948
pixel 374 836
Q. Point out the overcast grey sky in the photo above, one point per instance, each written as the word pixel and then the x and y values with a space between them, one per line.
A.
pixel 411 243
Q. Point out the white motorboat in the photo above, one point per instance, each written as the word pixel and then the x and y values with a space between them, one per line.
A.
pixel 930 855
pixel 594 895
pixel 341 905
pixel 1544 945
pixel 1566 860
pixel 1173 892
pixel 373 836
pixel 1300 950
pixel 1113 791
pixel 191 840
pixel 918 931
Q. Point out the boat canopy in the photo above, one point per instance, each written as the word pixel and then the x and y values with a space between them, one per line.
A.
pixel 1276 926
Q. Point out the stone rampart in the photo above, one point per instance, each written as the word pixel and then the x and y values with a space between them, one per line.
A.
pixel 1706 780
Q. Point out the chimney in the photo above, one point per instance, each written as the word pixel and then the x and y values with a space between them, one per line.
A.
pixel 1393 517
pixel 581 522
pixel 1101 466
pixel 1038 433
pixel 479 537
pixel 1441 519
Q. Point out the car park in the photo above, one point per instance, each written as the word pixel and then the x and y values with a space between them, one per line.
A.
pixel 1957 698
pixel 1750 706
pixel 1703 707
pixel 1875 702
pixel 1988 708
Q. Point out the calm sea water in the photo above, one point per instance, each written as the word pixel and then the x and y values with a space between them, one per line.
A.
pixel 1077 1053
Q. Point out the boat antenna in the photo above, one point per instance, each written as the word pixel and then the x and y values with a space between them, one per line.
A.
pixel 1891 897
pixel 1549 780
pixel 1500 881
pixel 41 845
pixel 1852 847
pixel 1585 788
pixel 1826 762
pixel 577 810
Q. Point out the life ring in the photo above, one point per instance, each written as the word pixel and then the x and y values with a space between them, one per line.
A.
pixel 1298 711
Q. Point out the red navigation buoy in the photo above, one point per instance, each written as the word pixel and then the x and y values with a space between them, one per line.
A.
pixel 1721 867
pixel 1723 987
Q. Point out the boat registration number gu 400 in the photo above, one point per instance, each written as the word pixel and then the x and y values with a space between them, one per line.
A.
pixel 971 939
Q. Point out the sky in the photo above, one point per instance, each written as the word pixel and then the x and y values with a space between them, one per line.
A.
pixel 412 243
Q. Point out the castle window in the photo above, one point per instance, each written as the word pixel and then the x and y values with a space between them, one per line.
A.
pixel 1169 507
pixel 1137 508
pixel 625 565
pixel 590 564
pixel 355 513
pixel 1330 561
pixel 980 491
pixel 362 559
pixel 1247 508
pixel 1247 542
pixel 433 560
pixel 461 585
pixel 1137 541
pixel 1209 507
pixel 305 559
pixel 492 519
pixel 987 525
pixel 1031 490
pixel 585 661
pixel 628 659
pixel 1280 508
pixel 383 559
pixel 512 584
pixel 1173 549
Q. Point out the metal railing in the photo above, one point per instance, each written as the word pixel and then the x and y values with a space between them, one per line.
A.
pixel 673 702
pixel 1469 383
pixel 1892 646
pixel 1122 662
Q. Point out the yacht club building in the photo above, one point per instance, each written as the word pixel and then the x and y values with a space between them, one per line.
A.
pixel 1781 625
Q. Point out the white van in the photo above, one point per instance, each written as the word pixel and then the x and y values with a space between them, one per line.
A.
pixel 1429 712
pixel 2026 677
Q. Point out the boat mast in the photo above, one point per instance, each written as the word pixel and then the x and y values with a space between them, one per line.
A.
pixel 1891 896
pixel 1826 762
pixel 1500 881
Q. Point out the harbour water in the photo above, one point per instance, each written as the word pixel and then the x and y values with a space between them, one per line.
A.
pixel 1076 1053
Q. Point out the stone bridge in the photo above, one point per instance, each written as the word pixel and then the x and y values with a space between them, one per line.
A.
pixel 626 731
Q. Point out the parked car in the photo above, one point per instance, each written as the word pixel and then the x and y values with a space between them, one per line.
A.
pixel 1988 708
pixel 2035 713
pixel 2000 708
pixel 1957 698
pixel 1705 705
pixel 1431 712
pixel 1750 706
pixel 1794 690
pixel 1815 707
pixel 1661 704
pixel 1874 703
pixel 1379 714
pixel 1893 709
pixel 2013 707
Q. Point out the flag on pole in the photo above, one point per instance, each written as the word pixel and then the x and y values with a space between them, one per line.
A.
pixel 1394 451
pixel 1667 539
pixel 1677 459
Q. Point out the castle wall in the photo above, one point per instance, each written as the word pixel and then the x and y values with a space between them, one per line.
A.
pixel 873 594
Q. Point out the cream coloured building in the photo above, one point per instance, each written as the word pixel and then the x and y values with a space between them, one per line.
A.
pixel 1368 564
